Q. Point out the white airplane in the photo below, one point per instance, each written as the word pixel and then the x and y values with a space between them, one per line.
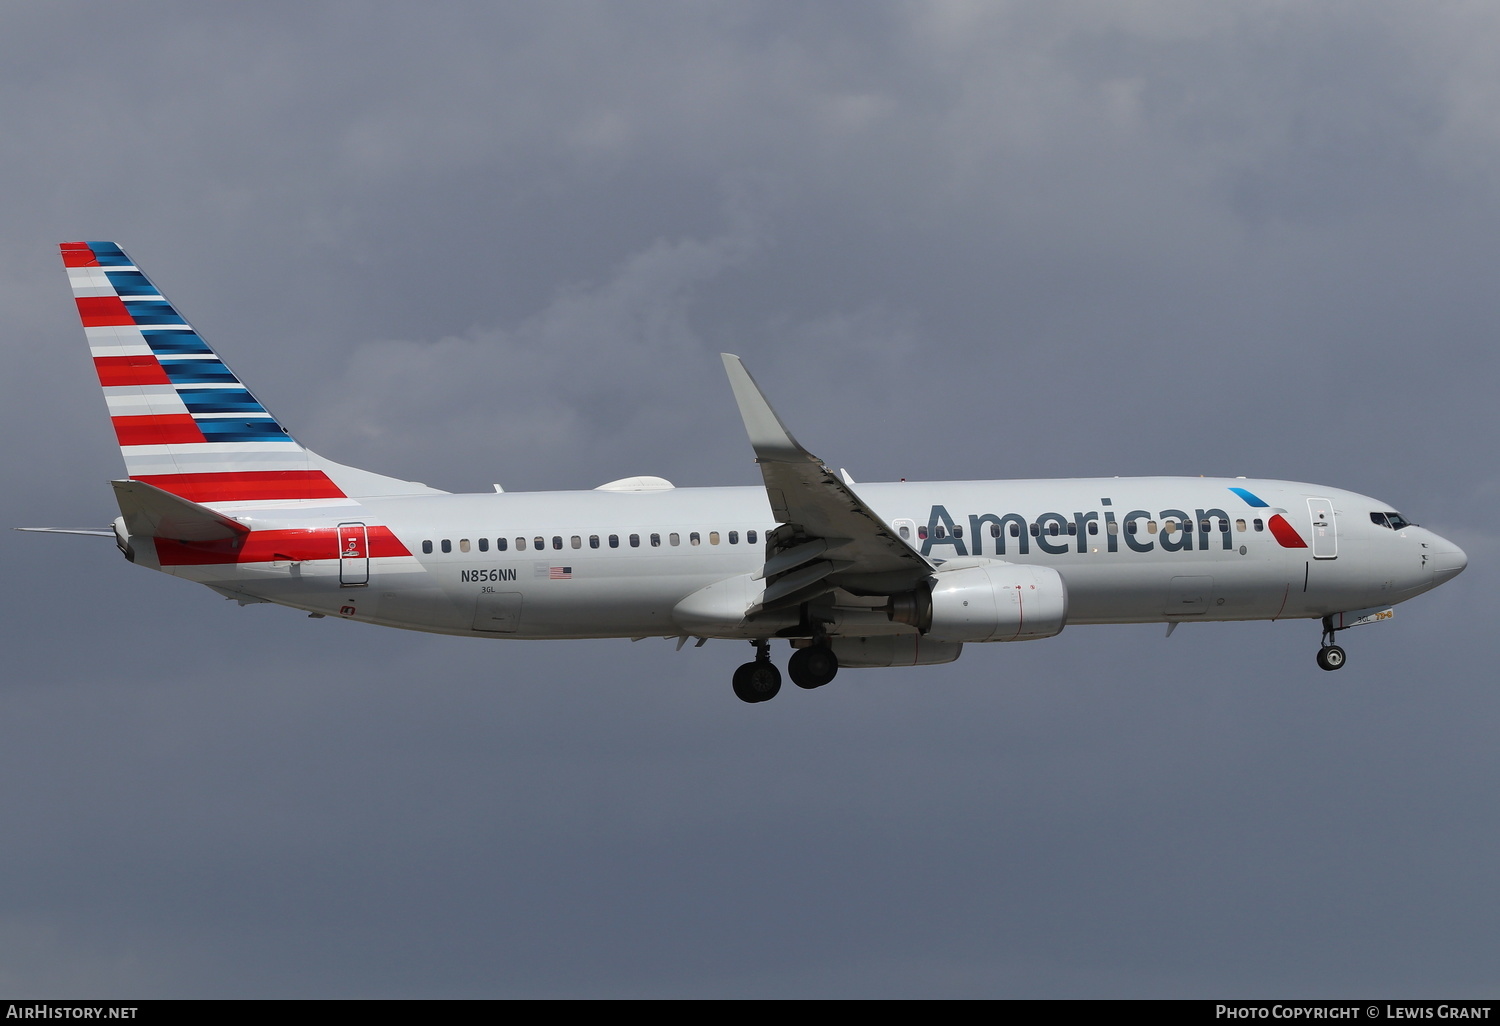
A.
pixel 896 574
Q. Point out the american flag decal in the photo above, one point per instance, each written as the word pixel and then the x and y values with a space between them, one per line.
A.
pixel 560 573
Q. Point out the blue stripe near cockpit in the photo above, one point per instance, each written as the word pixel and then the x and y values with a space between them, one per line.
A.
pixel 1250 497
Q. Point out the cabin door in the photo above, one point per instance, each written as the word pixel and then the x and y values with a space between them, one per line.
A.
pixel 1325 532
pixel 354 556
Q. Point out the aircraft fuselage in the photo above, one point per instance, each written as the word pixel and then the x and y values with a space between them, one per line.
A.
pixel 594 564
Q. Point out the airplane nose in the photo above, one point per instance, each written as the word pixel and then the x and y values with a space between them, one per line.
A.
pixel 1447 561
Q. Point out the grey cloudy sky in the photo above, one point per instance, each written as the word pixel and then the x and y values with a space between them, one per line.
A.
pixel 501 242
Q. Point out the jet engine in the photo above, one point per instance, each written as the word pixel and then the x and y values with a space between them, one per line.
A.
pixel 894 650
pixel 973 599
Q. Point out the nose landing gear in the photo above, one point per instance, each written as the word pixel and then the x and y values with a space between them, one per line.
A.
pixel 1330 656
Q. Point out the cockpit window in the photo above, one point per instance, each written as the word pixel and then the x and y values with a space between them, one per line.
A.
pixel 1379 518
pixel 1390 518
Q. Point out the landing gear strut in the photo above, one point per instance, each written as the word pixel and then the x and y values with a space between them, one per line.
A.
pixel 1330 656
pixel 758 681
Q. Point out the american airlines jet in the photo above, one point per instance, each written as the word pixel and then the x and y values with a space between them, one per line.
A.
pixel 850 575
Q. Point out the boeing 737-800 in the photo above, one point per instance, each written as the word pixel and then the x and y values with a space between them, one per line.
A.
pixel 850 575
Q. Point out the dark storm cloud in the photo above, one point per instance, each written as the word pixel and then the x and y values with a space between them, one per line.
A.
pixel 505 243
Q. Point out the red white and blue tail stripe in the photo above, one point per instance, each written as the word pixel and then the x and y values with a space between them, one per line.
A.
pixel 184 421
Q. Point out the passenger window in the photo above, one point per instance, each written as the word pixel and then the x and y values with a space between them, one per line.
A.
pixel 1036 531
pixel 635 541
pixel 576 542
pixel 539 543
pixel 427 547
pixel 1114 528
pixel 520 544
pixel 1015 529
pixel 614 541
pixel 958 532
pixel 557 541
pixel 693 538
pixel 1072 529
pixel 1151 527
pixel 674 538
pixel 1239 525
pixel 1259 524
pixel 995 530
pixel 656 541
pixel 593 541
pixel 1052 529
pixel 713 537
pixel 734 537
pixel 1130 527
pixel 941 532
pixel 1094 527
pixel 484 545
pixel 463 545
pixel 447 546
pixel 922 533
pixel 749 537
pixel 500 544
pixel 905 532
pixel 1223 526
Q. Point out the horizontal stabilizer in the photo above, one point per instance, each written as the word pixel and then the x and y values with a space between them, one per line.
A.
pixel 153 513
pixel 99 532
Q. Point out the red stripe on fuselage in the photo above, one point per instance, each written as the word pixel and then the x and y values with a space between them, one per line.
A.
pixel 102 311
pixel 273 546
pixel 77 254
pixel 248 485
pixel 130 370
pixel 164 429
pixel 1286 535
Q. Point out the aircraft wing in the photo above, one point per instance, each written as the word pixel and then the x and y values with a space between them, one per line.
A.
pixel 828 537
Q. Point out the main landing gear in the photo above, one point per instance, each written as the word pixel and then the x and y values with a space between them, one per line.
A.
pixel 758 681
pixel 1330 656
pixel 813 666
pixel 809 668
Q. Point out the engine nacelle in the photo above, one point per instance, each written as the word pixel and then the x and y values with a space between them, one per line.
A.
pixel 985 600
pixel 894 650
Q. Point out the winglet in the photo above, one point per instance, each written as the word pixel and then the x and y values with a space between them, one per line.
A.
pixel 768 435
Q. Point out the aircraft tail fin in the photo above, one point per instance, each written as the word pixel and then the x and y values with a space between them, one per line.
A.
pixel 185 422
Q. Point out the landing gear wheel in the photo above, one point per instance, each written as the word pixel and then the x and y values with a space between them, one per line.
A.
pixel 1331 657
pixel 757 682
pixel 812 667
